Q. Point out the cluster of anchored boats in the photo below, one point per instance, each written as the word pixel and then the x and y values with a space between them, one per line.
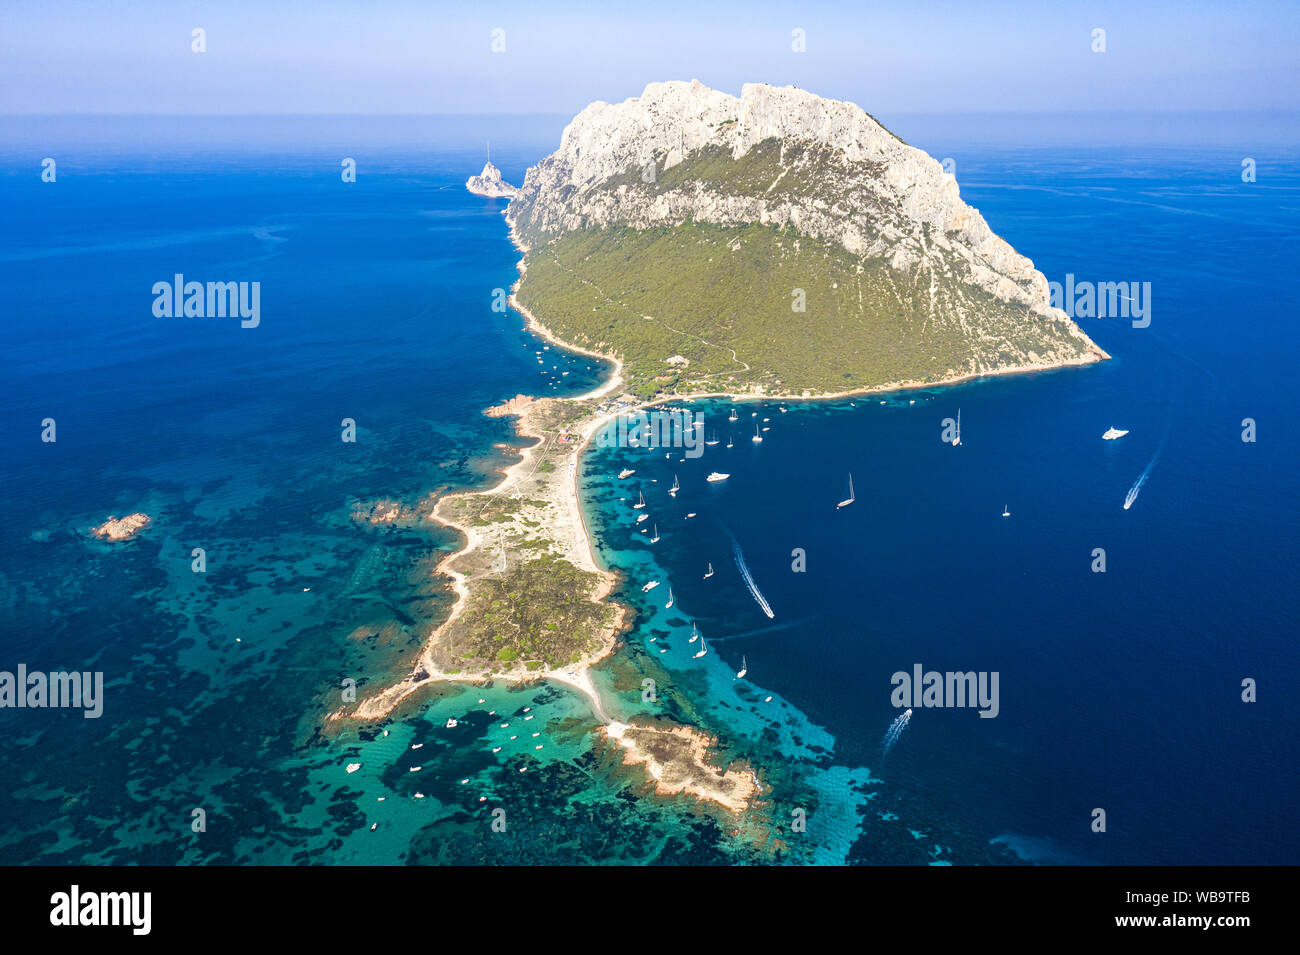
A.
pixel 714 477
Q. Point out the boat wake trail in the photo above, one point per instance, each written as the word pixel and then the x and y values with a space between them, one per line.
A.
pixel 895 730
pixel 1142 478
pixel 761 631
pixel 749 578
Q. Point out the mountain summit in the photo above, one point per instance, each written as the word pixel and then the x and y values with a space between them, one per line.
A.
pixel 778 241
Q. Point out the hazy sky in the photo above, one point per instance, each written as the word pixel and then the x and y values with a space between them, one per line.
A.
pixel 346 56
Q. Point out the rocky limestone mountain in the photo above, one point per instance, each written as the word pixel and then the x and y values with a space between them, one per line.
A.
pixel 489 183
pixel 820 178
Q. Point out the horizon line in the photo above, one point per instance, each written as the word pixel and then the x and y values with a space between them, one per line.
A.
pixel 429 115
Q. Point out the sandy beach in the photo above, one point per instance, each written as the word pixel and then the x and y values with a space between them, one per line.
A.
pixel 558 490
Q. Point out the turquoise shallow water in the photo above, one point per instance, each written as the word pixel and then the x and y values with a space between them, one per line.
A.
pixel 1117 691
pixel 376 306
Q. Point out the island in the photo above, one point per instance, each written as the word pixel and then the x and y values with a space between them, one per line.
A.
pixel 121 528
pixel 779 243
pixel 490 184
pixel 774 244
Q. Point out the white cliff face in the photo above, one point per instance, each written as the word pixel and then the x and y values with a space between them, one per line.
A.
pixel 860 187
pixel 489 183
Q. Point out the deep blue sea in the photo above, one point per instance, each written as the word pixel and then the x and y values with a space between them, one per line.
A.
pixel 1119 691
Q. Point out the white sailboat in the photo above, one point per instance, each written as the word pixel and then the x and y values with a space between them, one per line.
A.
pixel 851 498
pixel 744 668
pixel 695 634
pixel 702 650
pixel 655 539
pixel 1006 512
pixel 734 416
pixel 757 438
pixel 710 573
pixel 670 597
pixel 956 438
pixel 729 442
pixel 713 440
pixel 640 503
pixel 677 486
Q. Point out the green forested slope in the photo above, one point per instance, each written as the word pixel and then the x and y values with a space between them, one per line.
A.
pixel 704 292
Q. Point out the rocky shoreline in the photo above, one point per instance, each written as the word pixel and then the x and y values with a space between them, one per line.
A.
pixel 117 529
